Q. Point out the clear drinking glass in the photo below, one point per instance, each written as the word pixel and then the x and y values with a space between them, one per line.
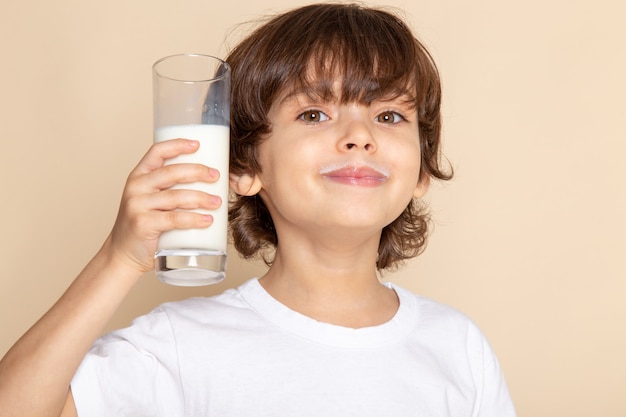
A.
pixel 192 101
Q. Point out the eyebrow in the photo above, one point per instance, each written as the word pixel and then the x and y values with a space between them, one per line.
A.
pixel 310 92
pixel 289 96
pixel 405 98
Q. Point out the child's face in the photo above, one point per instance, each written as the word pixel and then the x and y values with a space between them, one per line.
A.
pixel 332 165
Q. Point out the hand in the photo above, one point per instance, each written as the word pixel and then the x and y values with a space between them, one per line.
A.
pixel 149 207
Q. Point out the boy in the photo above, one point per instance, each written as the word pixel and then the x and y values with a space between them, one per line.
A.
pixel 335 137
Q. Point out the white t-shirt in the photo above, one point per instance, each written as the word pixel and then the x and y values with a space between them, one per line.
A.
pixel 244 354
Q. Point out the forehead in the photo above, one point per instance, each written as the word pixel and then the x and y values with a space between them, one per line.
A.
pixel 318 94
pixel 331 80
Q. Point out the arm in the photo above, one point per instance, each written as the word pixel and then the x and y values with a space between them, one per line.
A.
pixel 35 374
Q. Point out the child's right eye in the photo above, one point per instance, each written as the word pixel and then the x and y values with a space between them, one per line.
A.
pixel 313 116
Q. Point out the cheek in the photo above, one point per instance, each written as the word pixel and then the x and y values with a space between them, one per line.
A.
pixel 409 159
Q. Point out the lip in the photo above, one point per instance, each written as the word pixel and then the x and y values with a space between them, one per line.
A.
pixel 360 174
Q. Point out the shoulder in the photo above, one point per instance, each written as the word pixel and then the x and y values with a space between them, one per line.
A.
pixel 186 320
pixel 230 301
pixel 456 340
pixel 429 310
pixel 230 305
pixel 440 323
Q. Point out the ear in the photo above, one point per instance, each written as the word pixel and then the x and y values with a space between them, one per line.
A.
pixel 247 185
pixel 422 185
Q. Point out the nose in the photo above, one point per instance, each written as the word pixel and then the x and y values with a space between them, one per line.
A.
pixel 357 132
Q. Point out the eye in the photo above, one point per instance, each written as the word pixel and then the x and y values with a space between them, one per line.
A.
pixel 313 116
pixel 390 117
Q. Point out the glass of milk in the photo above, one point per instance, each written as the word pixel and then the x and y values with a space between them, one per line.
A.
pixel 192 101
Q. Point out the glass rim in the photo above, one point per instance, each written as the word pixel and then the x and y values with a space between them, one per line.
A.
pixel 212 57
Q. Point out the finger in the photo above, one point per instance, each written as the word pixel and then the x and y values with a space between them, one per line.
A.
pixel 178 219
pixel 172 200
pixel 162 151
pixel 186 220
pixel 170 175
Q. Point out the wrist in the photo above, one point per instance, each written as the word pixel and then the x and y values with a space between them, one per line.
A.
pixel 111 258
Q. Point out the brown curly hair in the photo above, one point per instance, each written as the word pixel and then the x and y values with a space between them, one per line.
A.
pixel 376 55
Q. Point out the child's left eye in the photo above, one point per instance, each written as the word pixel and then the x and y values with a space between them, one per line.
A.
pixel 313 116
pixel 390 117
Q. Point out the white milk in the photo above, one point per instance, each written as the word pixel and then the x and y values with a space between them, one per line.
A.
pixel 213 152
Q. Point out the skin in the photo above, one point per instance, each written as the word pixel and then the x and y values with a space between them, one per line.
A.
pixel 333 221
pixel 35 374
pixel 331 218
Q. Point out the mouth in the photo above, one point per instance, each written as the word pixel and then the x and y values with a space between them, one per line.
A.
pixel 365 175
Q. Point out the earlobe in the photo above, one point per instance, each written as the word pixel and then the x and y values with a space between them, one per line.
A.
pixel 422 185
pixel 247 185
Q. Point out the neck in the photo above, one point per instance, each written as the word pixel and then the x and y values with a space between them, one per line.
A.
pixel 332 283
